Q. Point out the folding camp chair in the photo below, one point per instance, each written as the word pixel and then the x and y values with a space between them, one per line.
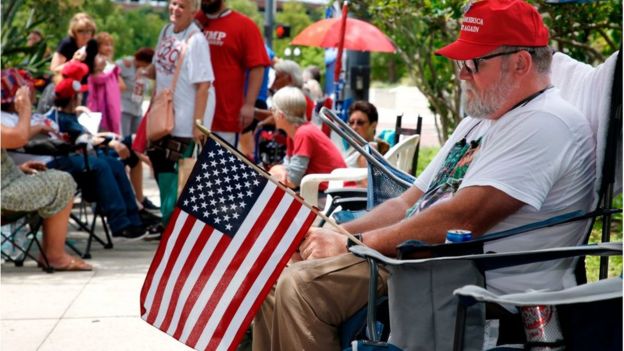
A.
pixel 599 98
pixel 88 200
pixel 584 317
pixel 30 225
pixel 86 212
pixel 384 180
pixel 428 321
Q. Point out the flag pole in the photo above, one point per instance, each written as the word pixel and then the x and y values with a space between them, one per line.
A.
pixel 279 184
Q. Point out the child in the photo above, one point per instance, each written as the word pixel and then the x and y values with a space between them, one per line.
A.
pixel 104 95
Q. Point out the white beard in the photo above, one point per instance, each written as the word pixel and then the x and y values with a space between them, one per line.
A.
pixel 484 104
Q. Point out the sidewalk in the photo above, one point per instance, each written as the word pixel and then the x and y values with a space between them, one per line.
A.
pixel 90 311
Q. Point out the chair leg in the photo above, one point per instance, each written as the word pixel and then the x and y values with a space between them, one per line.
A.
pixel 109 239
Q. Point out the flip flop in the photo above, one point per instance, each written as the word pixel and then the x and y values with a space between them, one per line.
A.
pixel 74 265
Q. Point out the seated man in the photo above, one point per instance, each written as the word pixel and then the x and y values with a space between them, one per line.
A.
pixel 523 156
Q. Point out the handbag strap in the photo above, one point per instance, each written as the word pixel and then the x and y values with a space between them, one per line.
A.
pixel 180 60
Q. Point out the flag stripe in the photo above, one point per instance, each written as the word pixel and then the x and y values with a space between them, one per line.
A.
pixel 156 261
pixel 266 221
pixel 167 247
pixel 200 283
pixel 195 263
pixel 192 246
pixel 245 288
pixel 187 224
pixel 233 248
pixel 252 302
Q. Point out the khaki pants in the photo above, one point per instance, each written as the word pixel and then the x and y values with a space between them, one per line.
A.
pixel 310 300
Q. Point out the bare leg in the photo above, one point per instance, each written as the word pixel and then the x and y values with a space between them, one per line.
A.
pixel 54 234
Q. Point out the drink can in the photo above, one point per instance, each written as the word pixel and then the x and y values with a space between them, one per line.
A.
pixel 458 236
pixel 542 328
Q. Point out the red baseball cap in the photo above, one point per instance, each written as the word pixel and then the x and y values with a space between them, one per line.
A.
pixel 489 24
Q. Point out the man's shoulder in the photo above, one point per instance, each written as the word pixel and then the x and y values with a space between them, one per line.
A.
pixel 241 17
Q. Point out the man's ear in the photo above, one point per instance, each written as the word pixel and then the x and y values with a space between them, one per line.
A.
pixel 523 63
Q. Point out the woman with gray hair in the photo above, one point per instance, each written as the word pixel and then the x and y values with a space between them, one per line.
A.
pixel 309 150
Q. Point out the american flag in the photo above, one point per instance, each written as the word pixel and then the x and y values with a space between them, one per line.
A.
pixel 231 234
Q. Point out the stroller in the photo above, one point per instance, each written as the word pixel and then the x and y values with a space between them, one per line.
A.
pixel 270 146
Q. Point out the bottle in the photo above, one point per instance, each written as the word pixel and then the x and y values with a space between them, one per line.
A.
pixel 458 236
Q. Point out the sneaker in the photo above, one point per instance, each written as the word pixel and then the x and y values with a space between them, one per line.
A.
pixel 130 234
pixel 147 204
pixel 154 232
pixel 148 218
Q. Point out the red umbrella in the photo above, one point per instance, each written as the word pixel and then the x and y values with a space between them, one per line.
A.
pixel 359 36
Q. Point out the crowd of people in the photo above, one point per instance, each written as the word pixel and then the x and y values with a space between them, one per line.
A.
pixel 511 162
pixel 214 62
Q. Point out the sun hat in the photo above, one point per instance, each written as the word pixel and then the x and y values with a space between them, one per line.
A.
pixel 489 24
pixel 12 80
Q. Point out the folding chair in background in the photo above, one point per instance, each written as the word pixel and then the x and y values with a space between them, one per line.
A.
pixel 385 181
pixel 87 192
pixel 457 264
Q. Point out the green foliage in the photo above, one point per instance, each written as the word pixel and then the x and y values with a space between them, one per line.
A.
pixel 131 28
pixel 248 8
pixel 588 32
pixel 592 264
pixel 425 155
pixel 294 15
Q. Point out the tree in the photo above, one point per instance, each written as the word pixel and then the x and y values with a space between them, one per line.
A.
pixel 587 32
pixel 131 29
pixel 294 14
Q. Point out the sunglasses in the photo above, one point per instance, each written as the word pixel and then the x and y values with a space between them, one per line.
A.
pixel 357 122
pixel 472 66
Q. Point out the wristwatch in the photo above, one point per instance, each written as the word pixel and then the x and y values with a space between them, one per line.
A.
pixel 350 242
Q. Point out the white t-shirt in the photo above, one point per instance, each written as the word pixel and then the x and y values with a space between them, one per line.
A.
pixel 196 68
pixel 542 154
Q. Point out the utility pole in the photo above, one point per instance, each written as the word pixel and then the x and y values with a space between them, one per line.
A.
pixel 269 21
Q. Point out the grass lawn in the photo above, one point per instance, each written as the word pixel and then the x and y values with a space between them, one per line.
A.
pixel 592 264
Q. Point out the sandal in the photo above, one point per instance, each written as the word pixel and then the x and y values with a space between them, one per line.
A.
pixel 74 265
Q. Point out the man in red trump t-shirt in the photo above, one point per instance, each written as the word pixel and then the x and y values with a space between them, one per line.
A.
pixel 236 46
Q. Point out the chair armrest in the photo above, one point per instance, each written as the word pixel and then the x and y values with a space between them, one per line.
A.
pixel 351 203
pixel 346 192
pixel 310 183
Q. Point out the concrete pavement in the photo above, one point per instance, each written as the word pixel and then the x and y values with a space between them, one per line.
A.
pixel 87 311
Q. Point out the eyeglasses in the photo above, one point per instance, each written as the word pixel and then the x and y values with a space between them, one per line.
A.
pixel 84 31
pixel 357 122
pixel 472 66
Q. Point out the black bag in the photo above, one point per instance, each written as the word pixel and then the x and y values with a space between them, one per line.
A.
pixel 47 146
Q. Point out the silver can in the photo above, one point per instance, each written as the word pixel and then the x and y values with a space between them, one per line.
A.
pixel 542 328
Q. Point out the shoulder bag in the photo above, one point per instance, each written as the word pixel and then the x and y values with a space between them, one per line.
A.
pixel 160 116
